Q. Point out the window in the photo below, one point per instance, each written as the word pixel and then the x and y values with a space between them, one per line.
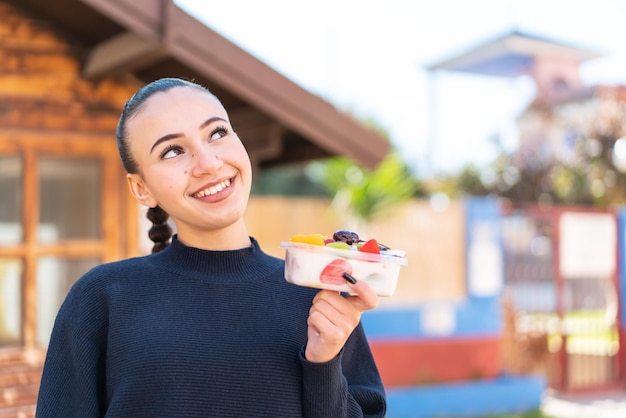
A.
pixel 60 215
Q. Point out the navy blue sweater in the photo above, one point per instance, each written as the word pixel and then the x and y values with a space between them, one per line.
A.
pixel 193 333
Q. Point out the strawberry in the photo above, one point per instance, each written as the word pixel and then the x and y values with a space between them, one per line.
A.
pixel 333 272
pixel 370 246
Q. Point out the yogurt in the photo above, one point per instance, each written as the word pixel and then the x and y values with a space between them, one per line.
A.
pixel 323 267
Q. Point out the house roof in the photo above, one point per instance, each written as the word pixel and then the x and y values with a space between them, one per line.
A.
pixel 511 55
pixel 278 120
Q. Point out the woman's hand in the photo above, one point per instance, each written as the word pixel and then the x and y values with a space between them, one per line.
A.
pixel 333 317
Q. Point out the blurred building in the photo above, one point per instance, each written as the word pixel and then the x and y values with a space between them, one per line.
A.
pixel 567 122
pixel 558 271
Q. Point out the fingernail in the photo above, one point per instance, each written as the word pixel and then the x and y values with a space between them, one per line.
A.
pixel 349 278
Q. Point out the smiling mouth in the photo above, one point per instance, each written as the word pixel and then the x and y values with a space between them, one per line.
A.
pixel 213 189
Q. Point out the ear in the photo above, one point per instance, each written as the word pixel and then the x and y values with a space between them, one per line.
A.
pixel 140 191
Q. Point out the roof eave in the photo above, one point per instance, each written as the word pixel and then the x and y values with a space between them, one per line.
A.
pixel 162 28
pixel 515 44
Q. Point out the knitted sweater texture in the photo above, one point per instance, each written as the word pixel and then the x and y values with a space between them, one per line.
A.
pixel 193 333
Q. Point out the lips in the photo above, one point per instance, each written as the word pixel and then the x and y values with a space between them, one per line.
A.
pixel 214 189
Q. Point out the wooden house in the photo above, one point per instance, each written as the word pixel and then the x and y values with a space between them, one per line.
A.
pixel 66 69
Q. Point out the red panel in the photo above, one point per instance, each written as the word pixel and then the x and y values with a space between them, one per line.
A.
pixel 409 363
pixel 621 359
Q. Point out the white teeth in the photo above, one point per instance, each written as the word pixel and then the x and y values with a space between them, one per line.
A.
pixel 213 189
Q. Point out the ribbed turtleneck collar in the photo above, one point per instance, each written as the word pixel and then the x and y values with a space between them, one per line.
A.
pixel 246 264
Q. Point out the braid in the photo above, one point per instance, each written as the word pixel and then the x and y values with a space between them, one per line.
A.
pixel 160 232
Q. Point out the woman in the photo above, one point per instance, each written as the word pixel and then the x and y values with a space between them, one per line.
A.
pixel 206 326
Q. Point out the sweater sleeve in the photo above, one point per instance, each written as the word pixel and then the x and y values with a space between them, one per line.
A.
pixel 347 386
pixel 72 383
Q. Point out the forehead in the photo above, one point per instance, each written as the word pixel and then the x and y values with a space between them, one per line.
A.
pixel 184 94
pixel 177 105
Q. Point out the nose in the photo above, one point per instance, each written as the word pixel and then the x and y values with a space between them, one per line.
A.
pixel 205 161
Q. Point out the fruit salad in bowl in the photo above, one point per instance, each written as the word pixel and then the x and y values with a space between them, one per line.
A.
pixel 329 262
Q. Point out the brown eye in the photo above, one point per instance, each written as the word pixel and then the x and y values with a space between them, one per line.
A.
pixel 171 151
pixel 218 133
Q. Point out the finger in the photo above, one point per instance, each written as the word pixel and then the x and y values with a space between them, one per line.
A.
pixel 327 329
pixel 365 298
pixel 337 310
pixel 330 297
pixel 332 305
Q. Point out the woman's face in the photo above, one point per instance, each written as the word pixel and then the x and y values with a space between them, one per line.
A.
pixel 191 163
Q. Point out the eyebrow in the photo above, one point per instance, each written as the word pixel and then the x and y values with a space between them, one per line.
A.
pixel 169 137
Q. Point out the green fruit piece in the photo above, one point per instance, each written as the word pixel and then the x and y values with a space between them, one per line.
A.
pixel 338 244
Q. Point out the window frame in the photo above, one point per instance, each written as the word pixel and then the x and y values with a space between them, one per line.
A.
pixel 113 243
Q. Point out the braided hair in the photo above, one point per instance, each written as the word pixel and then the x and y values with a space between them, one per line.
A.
pixel 160 233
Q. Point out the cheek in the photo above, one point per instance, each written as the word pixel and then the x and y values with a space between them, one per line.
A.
pixel 243 159
pixel 165 182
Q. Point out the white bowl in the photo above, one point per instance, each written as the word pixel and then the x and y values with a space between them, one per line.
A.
pixel 323 267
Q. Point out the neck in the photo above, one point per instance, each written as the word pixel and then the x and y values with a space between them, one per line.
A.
pixel 233 237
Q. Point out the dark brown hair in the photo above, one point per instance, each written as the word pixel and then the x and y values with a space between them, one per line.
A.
pixel 160 232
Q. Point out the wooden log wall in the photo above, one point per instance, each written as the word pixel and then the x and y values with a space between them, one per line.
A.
pixel 40 80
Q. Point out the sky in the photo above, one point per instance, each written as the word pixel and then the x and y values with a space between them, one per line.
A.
pixel 370 57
